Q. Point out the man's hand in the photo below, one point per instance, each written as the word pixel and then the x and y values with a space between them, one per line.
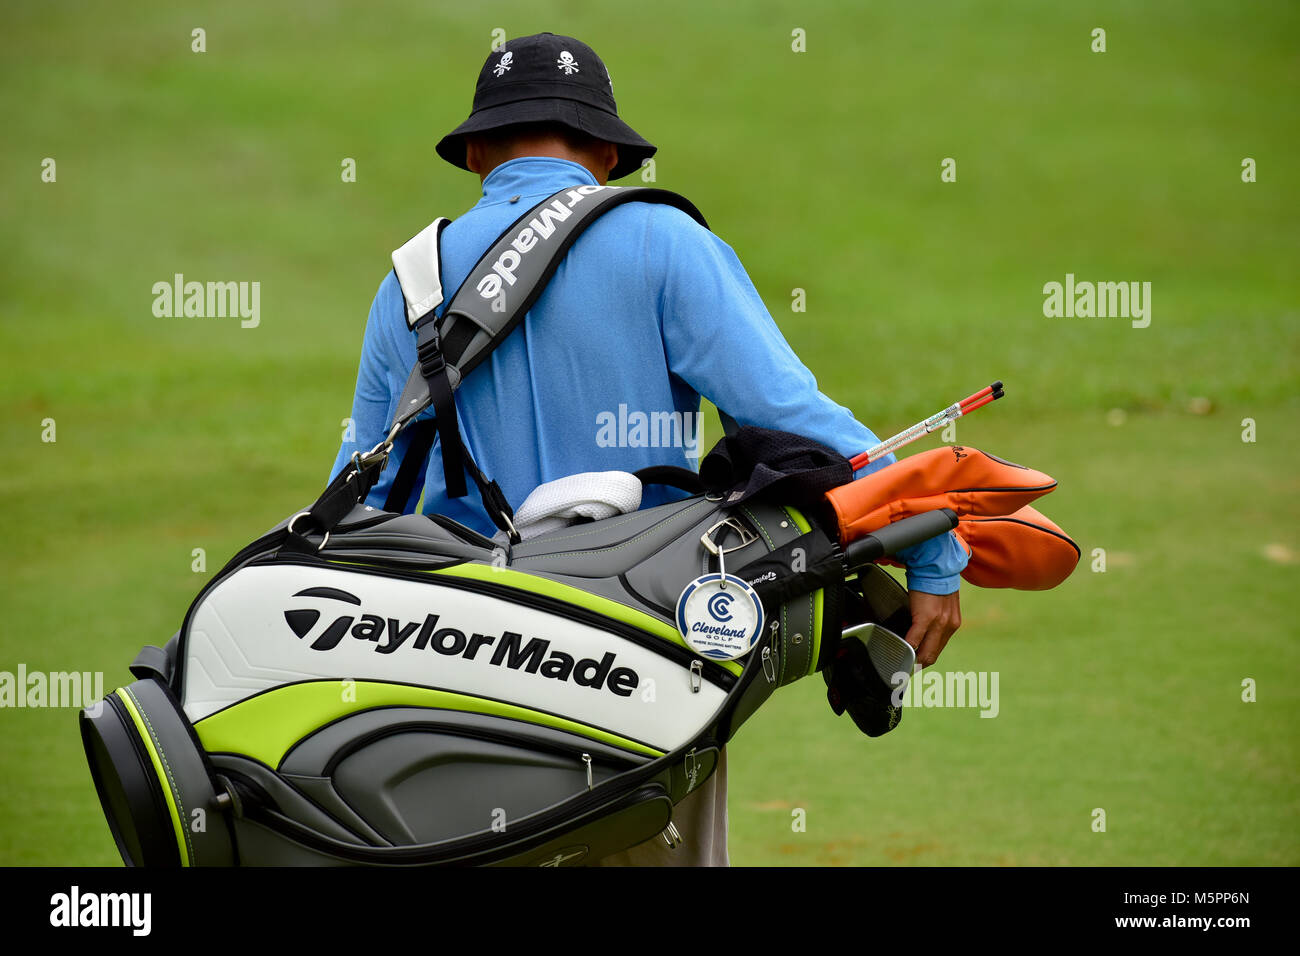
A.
pixel 935 618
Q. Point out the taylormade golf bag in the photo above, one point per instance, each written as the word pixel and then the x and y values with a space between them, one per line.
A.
pixel 408 694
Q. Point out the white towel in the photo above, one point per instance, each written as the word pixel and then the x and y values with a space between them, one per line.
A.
pixel 560 503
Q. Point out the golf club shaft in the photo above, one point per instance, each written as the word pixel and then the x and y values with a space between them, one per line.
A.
pixel 980 404
pixel 938 420
pixel 986 390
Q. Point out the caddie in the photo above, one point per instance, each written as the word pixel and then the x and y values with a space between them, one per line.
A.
pixel 648 312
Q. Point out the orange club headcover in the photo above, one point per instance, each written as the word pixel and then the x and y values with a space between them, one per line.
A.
pixel 1025 550
pixel 967 480
pixel 1011 544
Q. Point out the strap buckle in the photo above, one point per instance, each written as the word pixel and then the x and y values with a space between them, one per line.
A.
pixel 432 362
pixel 428 350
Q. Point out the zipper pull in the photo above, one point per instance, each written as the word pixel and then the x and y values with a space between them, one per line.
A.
pixel 692 769
pixel 697 675
pixel 586 758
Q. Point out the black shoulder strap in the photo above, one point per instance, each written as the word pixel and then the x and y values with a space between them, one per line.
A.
pixel 491 302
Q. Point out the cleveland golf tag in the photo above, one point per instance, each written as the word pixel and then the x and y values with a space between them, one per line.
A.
pixel 720 623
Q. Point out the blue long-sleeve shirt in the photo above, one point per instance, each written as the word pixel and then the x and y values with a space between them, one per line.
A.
pixel 646 313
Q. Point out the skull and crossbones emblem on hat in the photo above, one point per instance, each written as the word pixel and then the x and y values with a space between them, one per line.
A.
pixel 567 63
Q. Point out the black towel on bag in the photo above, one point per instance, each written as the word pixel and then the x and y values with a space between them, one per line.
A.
pixel 773 465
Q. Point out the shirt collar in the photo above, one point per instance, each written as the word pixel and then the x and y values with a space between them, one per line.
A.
pixel 530 176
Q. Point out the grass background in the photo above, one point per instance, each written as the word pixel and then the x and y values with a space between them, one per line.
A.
pixel 1120 690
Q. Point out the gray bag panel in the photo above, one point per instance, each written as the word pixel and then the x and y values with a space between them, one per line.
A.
pixel 424 776
pixel 286 797
pixel 260 846
pixel 406 540
pixel 413 532
pixel 658 550
pixel 647 816
pixel 321 791
pixel 679 559
pixel 419 786
pixel 312 755
pixel 634 820
pixel 606 548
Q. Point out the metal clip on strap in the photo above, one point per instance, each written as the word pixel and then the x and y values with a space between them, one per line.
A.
pixel 377 456
pixel 343 494
pixel 712 545
pixel 731 523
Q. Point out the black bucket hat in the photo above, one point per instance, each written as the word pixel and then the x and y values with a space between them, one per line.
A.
pixel 548 78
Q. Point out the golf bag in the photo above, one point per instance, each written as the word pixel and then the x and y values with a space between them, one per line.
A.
pixel 411 693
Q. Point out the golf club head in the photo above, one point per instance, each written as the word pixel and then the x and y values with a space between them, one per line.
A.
pixel 870 672
pixel 893 658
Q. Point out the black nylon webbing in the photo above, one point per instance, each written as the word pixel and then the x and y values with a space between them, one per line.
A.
pixel 417 451
pixel 459 338
pixel 433 365
pixel 674 476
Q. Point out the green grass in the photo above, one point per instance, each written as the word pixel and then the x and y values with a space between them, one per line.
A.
pixel 1120 690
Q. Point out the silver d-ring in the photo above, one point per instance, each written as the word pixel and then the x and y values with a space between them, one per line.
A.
pixel 302 514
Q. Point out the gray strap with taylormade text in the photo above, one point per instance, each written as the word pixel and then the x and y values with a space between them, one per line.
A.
pixel 510 276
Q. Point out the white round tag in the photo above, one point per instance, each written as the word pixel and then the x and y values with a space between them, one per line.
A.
pixel 720 623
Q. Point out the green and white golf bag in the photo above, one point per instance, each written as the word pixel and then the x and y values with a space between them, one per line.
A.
pixel 408 695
